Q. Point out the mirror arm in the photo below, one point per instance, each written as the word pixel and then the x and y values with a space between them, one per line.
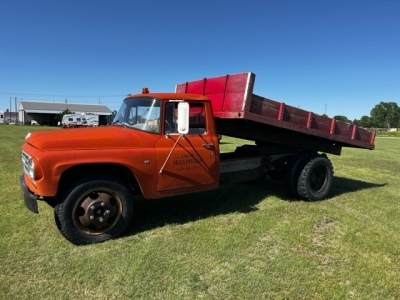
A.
pixel 170 152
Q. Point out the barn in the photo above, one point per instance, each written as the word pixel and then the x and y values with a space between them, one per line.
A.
pixel 47 113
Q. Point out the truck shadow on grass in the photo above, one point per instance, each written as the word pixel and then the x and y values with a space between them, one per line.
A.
pixel 150 214
pixel 343 185
pixel 239 198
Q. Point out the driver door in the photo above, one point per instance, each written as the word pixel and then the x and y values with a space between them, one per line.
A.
pixel 187 161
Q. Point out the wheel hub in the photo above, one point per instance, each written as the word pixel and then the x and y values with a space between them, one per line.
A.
pixel 97 211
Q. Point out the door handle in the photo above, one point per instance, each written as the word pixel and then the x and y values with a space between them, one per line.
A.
pixel 209 146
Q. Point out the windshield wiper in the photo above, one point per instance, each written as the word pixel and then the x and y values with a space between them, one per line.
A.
pixel 119 123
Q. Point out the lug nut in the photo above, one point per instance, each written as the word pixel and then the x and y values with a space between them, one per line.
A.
pixel 103 204
pixel 101 220
pixel 91 218
pixel 92 207
pixel 107 212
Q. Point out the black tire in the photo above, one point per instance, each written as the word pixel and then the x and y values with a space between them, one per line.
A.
pixel 93 210
pixel 316 178
pixel 292 173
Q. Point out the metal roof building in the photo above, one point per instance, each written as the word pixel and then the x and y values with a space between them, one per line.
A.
pixel 46 113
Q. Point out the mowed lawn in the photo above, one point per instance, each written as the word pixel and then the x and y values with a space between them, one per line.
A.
pixel 244 241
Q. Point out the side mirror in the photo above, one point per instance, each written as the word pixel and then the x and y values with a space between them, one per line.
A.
pixel 183 117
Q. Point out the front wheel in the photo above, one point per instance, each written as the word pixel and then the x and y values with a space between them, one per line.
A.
pixel 93 210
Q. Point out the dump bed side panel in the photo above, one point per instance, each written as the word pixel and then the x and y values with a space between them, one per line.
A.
pixel 228 94
pixel 235 106
pixel 285 116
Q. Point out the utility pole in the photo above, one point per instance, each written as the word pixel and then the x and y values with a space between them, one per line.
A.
pixel 16 111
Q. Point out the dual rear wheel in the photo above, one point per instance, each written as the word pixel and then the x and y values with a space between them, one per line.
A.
pixel 309 176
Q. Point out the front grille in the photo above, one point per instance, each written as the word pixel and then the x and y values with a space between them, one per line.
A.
pixel 26 162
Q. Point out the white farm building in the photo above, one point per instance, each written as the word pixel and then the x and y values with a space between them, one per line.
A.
pixel 46 113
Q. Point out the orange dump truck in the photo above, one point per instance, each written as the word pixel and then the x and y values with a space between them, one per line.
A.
pixel 166 144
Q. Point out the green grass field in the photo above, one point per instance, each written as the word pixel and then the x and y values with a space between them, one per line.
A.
pixel 246 241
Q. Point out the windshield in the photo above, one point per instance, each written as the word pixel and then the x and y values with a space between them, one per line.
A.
pixel 140 113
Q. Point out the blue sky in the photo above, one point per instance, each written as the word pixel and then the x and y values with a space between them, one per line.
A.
pixel 334 56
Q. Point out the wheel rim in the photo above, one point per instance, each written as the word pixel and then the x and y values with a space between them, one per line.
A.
pixel 97 211
pixel 318 179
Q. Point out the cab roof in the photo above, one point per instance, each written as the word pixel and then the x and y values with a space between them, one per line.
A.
pixel 170 96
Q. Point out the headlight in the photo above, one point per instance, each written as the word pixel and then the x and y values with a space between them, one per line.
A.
pixel 28 164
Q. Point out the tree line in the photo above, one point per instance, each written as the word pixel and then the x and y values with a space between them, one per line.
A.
pixel 383 115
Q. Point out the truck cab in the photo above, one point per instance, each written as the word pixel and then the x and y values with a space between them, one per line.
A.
pixel 158 145
pixel 181 130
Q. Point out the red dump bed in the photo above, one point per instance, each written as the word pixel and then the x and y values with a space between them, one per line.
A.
pixel 240 113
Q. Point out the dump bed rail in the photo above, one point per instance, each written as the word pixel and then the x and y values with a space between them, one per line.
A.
pixel 240 113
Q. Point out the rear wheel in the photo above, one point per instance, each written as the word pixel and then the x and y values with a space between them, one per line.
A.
pixel 93 210
pixel 315 180
pixel 292 173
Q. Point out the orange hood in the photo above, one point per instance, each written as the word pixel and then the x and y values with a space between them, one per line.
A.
pixel 111 137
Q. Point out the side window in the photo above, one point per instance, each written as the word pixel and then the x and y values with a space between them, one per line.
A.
pixel 170 118
pixel 197 120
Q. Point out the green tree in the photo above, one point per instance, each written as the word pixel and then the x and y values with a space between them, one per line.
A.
pixel 385 114
pixel 342 118
pixel 365 122
pixel 60 116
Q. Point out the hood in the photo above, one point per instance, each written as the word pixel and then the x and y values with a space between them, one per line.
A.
pixel 110 137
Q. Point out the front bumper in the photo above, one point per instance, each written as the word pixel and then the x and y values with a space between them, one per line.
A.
pixel 29 198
